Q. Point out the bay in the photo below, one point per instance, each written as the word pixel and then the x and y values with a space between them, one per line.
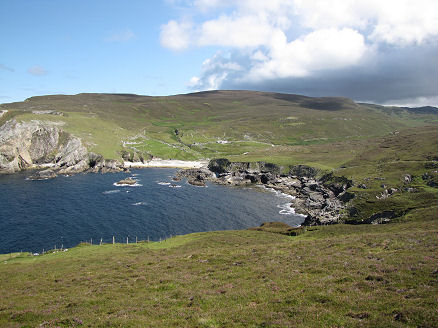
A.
pixel 37 215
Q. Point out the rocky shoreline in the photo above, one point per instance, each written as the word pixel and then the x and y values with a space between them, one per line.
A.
pixel 46 147
pixel 321 200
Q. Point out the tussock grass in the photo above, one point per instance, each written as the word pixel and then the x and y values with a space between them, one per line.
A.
pixel 367 276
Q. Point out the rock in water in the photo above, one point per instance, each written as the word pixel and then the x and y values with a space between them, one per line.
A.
pixel 127 181
pixel 43 175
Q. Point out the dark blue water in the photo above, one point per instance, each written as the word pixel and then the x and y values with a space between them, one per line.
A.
pixel 37 215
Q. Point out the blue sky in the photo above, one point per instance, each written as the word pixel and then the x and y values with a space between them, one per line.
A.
pixel 368 50
pixel 69 47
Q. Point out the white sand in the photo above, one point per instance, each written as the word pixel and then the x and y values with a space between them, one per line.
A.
pixel 167 163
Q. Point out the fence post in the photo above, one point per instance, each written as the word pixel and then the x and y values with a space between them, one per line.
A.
pixel 100 240
pixel 91 241
pixel 126 240
pixel 113 240
pixel 136 239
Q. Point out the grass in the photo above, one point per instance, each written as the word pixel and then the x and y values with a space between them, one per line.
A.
pixel 100 136
pixel 332 276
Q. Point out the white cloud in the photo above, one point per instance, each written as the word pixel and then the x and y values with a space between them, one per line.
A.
pixel 214 71
pixel 175 35
pixel 319 50
pixel 121 36
pixel 413 102
pixel 37 70
pixel 284 39
pixel 397 22
pixel 247 31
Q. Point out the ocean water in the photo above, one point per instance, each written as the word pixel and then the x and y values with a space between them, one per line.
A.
pixel 37 215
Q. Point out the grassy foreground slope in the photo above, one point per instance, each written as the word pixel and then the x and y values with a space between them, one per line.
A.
pixel 330 276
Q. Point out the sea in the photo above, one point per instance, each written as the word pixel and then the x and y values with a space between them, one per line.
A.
pixel 68 210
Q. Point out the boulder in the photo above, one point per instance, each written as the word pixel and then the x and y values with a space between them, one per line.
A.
pixel 407 178
pixel 219 165
pixel 302 171
pixel 43 175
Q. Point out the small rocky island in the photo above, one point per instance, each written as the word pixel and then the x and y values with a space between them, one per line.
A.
pixel 128 181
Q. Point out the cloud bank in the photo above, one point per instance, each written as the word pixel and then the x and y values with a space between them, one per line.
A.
pixel 369 50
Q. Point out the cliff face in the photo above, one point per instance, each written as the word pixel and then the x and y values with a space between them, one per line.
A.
pixel 36 144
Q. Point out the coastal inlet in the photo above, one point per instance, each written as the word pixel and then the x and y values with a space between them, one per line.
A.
pixel 65 211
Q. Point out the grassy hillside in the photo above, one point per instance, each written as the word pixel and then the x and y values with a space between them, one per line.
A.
pixel 189 126
pixel 332 276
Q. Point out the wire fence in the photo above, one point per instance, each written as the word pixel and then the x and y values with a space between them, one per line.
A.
pixel 101 241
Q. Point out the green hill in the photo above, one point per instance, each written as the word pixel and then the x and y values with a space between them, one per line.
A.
pixel 189 126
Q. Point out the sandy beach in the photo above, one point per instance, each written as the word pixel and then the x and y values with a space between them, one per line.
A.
pixel 167 163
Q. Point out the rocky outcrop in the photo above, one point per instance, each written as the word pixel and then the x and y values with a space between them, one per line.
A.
pixel 196 177
pixel 321 201
pixel 38 144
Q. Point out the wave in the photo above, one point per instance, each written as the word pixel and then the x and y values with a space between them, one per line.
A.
pixel 164 183
pixel 110 192
pixel 127 185
pixel 174 186
pixel 286 209
pixel 140 204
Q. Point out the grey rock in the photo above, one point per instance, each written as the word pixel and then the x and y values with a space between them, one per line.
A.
pixel 321 201
pixel 302 171
pixel 407 178
pixel 33 144
pixel 44 175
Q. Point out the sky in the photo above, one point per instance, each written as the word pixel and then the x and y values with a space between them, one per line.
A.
pixel 376 51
